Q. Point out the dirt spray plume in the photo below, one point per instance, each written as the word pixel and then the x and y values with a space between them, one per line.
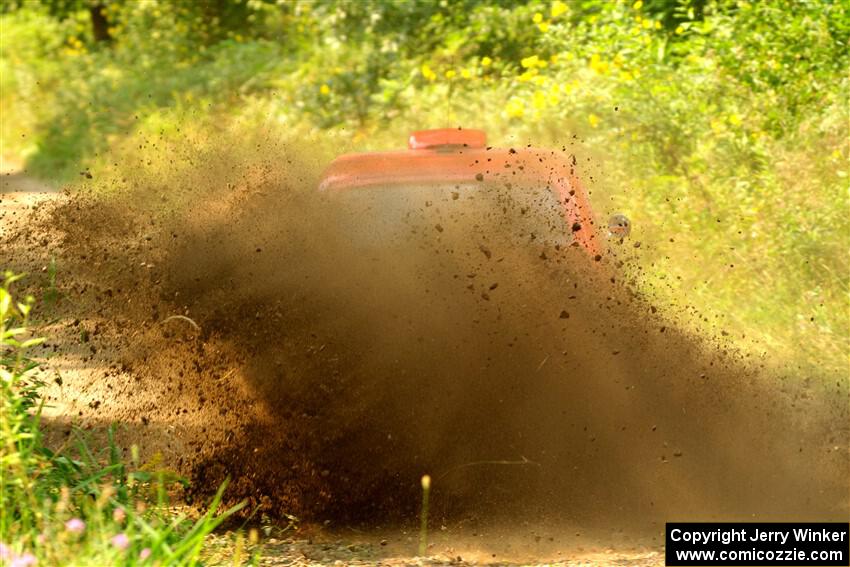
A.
pixel 347 345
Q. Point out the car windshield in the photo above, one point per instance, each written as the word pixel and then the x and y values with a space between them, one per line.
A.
pixel 521 215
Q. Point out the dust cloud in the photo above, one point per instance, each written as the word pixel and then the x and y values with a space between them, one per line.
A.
pixel 348 344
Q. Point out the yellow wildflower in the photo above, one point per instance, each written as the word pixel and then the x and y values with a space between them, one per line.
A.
pixel 593 120
pixel 515 108
pixel 558 8
pixel 571 87
pixel 680 30
pixel 450 74
pixel 638 5
pixel 734 120
pixel 538 17
pixel 598 65
pixel 647 24
pixel 486 61
pixel 466 73
pixel 543 26
pixel 532 62
pixel 527 75
pixel 325 90
pixel 539 100
pixel 427 72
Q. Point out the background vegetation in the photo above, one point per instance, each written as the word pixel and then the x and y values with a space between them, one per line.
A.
pixel 719 127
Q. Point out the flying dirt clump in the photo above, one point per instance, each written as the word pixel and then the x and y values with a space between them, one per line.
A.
pixel 349 344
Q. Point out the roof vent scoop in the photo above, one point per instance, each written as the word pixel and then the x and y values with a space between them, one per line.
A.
pixel 432 139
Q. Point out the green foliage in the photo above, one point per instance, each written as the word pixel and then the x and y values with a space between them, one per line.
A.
pixel 76 506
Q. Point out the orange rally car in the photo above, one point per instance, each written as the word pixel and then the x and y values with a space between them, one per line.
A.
pixel 456 157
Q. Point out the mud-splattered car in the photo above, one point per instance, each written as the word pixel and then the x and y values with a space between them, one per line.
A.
pixel 440 166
